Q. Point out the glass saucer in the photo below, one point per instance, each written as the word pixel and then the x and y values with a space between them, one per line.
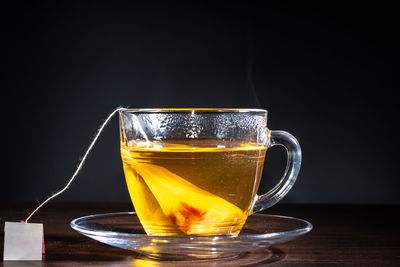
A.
pixel 123 230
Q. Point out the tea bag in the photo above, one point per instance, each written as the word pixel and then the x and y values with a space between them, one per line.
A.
pixel 194 210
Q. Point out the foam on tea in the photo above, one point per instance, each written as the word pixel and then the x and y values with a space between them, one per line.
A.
pixel 192 187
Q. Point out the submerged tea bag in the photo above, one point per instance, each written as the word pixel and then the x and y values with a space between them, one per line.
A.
pixel 23 241
pixel 194 210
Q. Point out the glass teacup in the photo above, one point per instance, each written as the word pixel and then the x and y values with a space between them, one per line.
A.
pixel 197 171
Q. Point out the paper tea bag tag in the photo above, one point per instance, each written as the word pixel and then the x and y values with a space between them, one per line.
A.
pixel 23 241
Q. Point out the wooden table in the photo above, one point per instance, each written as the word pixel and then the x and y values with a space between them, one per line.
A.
pixel 342 236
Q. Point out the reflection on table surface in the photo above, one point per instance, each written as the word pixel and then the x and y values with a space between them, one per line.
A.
pixel 259 257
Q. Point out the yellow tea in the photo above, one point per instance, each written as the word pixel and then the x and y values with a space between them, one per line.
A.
pixel 192 187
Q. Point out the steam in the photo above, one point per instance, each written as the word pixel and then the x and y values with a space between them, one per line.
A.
pixel 250 63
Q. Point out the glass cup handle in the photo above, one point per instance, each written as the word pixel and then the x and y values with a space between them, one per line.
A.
pixel 293 150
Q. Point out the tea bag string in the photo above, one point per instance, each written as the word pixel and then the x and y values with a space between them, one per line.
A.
pixel 79 166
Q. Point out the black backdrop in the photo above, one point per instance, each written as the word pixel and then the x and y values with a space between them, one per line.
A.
pixel 326 73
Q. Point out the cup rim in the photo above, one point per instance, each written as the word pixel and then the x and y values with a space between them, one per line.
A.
pixel 187 110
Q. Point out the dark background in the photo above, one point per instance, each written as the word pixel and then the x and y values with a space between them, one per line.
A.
pixel 327 73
